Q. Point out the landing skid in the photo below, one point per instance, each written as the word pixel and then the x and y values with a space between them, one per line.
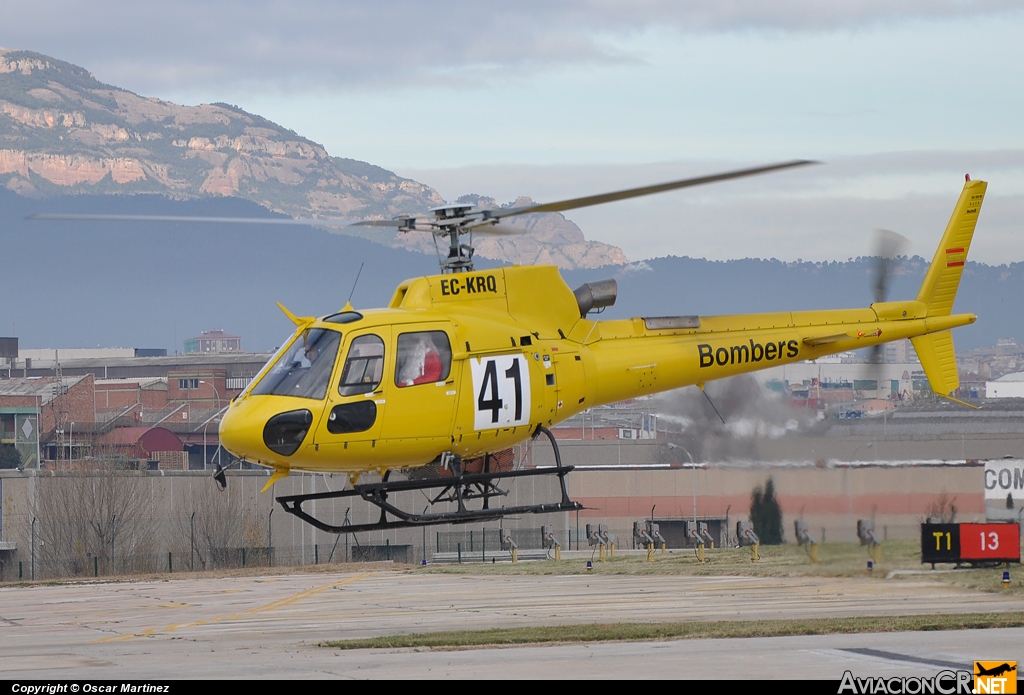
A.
pixel 458 488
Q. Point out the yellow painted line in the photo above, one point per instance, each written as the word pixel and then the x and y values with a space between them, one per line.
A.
pixel 273 605
pixel 737 587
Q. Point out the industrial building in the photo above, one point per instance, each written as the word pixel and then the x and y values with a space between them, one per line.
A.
pixel 156 418
pixel 214 342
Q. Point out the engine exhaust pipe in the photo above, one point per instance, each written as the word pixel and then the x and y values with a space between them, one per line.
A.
pixel 595 295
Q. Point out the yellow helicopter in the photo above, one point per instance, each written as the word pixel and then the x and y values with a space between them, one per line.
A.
pixel 462 366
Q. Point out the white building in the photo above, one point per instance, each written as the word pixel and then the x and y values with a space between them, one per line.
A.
pixel 1006 386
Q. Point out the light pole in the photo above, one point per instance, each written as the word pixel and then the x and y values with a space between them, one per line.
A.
pixel 214 387
pixel 270 538
pixel 693 467
pixel 39 415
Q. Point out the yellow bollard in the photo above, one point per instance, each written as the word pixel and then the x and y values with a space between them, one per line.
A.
pixel 515 555
pixel 712 545
pixel 611 550
pixel 700 552
pixel 650 552
pixel 602 553
pixel 662 548
pixel 558 553
pixel 876 553
pixel 813 552
pixel 754 556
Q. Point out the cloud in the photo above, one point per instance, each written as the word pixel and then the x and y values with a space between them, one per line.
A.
pixel 825 212
pixel 153 47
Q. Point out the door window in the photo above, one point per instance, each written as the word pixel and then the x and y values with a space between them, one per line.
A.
pixel 364 366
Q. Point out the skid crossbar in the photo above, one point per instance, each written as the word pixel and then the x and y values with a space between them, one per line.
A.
pixel 377 493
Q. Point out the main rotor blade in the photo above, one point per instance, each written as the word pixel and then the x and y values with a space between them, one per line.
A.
pixel 586 201
pixel 496 229
pixel 408 224
pixel 172 218
pixel 401 222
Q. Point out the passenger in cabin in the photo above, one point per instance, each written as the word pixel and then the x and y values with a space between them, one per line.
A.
pixel 419 363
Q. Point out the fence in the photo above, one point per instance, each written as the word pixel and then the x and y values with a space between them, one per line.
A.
pixel 44 566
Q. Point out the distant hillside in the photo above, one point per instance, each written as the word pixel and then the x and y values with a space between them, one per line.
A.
pixel 64 132
pixel 90 284
pixel 156 284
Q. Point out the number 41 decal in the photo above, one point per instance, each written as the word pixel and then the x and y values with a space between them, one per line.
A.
pixel 501 391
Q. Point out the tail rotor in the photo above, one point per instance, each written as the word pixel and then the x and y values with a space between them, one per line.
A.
pixel 888 247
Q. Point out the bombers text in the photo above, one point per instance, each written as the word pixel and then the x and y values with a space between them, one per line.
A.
pixel 741 354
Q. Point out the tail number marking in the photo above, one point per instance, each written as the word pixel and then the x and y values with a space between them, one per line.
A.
pixel 501 385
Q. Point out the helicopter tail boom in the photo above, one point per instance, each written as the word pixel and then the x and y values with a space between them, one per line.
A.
pixel 680 353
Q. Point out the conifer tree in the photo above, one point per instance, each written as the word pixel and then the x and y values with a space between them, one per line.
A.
pixel 766 514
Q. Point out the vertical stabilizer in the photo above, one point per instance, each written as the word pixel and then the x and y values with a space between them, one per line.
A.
pixel 943 278
pixel 941 282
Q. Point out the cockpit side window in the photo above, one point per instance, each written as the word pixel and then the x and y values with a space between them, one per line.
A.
pixel 424 357
pixel 364 366
pixel 304 370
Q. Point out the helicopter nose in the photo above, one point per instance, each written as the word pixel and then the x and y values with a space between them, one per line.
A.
pixel 258 434
pixel 230 433
pixel 235 435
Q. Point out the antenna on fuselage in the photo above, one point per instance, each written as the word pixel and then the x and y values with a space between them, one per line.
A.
pixel 701 387
pixel 360 272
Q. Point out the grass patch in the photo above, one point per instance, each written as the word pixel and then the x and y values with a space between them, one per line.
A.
pixel 787 560
pixel 632 632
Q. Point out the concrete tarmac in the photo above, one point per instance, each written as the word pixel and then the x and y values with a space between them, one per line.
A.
pixel 270 626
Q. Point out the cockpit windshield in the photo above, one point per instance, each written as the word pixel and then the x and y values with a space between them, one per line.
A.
pixel 304 370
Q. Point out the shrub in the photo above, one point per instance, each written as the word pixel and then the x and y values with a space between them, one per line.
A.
pixel 9 456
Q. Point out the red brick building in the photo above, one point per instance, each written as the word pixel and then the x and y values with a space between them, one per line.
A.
pixel 30 409
pixel 119 395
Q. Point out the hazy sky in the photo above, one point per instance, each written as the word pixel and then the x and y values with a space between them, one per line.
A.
pixel 899 97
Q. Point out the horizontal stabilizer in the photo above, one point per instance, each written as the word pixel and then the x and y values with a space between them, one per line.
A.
pixel 935 351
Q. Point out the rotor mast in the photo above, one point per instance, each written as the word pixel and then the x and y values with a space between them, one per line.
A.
pixel 450 221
